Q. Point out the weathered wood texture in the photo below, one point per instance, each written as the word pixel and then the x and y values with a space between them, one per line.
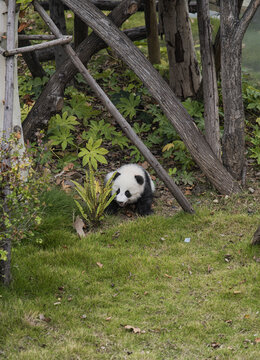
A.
pixel 152 32
pixel 47 44
pixel 184 75
pixel 9 74
pixel 6 242
pixel 209 78
pixel 50 100
pixel 217 45
pixel 58 16
pixel 118 117
pixel 134 34
pixel 232 32
pixel 80 31
pixel 30 58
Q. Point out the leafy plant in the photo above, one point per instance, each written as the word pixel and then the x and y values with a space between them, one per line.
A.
pixel 95 198
pixel 79 105
pixel 182 177
pixel 20 207
pixel 104 130
pixel 65 121
pixel 23 3
pixel 32 86
pixel 60 129
pixel 196 110
pixel 135 154
pixel 140 129
pixel 251 97
pixel 128 105
pixel 93 153
pixel 62 137
pixel 255 140
pixel 178 151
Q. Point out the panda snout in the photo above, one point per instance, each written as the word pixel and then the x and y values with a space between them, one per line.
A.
pixel 121 203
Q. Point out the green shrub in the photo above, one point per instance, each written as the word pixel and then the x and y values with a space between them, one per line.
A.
pixel 20 186
pixel 95 198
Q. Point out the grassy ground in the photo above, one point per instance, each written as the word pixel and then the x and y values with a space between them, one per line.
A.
pixel 72 298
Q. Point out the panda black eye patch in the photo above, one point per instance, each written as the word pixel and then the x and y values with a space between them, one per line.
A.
pixel 118 191
pixel 128 194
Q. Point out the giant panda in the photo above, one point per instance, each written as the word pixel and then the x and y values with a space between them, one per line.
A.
pixel 132 185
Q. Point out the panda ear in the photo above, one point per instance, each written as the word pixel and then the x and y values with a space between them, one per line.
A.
pixel 139 179
pixel 116 175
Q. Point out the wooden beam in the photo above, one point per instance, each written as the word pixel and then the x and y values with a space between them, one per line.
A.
pixel 36 37
pixel 63 40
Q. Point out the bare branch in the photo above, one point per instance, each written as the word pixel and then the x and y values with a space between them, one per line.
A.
pixel 36 37
pixel 62 40
pixel 246 18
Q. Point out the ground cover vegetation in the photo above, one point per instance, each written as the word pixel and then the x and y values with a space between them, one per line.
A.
pixel 123 292
pixel 188 289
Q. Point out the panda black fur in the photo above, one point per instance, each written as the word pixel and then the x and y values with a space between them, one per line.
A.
pixel 132 185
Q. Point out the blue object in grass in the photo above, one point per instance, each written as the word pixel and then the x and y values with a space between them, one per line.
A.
pixel 187 240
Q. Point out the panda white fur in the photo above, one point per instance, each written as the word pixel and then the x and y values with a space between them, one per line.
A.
pixel 132 185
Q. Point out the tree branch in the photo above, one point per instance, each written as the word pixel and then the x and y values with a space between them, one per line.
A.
pixel 246 18
pixel 24 49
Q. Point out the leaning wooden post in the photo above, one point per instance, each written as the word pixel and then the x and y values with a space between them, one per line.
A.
pixel 162 174
pixel 7 67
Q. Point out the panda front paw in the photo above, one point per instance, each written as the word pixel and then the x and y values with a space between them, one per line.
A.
pixel 112 208
pixel 144 208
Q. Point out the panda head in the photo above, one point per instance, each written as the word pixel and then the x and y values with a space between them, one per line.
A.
pixel 128 184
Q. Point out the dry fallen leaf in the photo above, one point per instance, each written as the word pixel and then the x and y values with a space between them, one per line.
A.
pixel 134 329
pixel 168 276
pixel 209 269
pixel 99 265
pixel 109 318
pixel 236 292
pixel 22 26
pixel 65 186
pixel 43 318
pixel 257 340
pixel 79 225
pixel 145 165
pixel 68 167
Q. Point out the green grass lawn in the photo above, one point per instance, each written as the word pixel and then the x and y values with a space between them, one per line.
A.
pixel 71 298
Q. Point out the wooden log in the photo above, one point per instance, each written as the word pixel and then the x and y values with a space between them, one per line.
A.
pixel 118 117
pixel 6 243
pixel 36 37
pixel 9 74
pixel 64 40
pixel 134 34
pixel 173 109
